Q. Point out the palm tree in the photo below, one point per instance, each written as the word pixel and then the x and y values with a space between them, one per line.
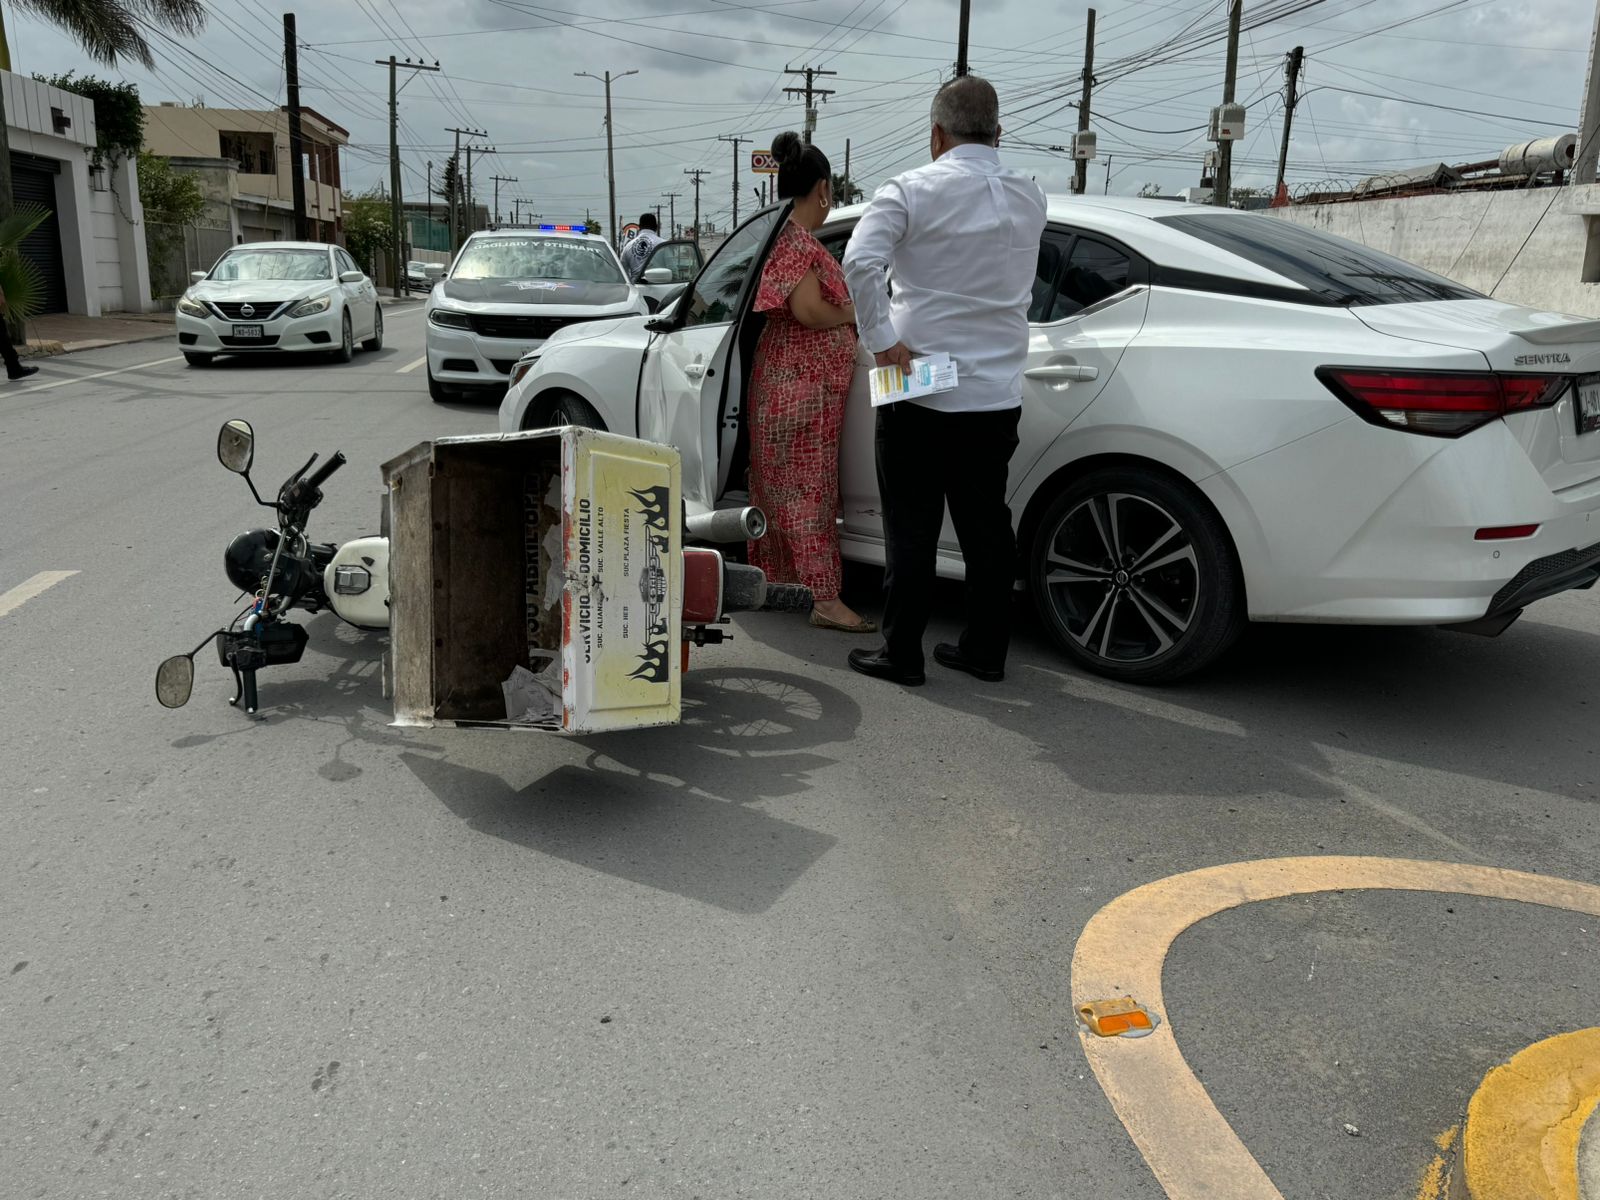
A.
pixel 109 30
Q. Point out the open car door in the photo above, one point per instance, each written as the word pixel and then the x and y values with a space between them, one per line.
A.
pixel 692 381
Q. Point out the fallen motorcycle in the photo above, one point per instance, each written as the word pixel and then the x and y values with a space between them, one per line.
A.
pixel 532 581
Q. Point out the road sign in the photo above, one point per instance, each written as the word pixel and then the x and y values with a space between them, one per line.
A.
pixel 630 231
pixel 762 163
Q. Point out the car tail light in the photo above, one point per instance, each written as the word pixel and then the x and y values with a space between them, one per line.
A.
pixel 1439 403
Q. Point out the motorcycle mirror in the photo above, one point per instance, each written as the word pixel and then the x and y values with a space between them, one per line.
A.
pixel 175 681
pixel 236 446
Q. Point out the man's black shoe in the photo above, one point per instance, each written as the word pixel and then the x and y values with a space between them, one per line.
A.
pixel 22 372
pixel 948 654
pixel 878 665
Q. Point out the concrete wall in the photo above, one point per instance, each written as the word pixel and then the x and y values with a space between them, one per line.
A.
pixel 102 223
pixel 1531 247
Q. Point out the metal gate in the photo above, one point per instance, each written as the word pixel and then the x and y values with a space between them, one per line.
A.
pixel 33 181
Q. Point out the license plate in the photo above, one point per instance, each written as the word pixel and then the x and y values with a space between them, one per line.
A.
pixel 1588 405
pixel 247 331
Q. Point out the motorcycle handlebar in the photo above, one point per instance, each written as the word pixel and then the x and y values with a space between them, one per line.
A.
pixel 320 476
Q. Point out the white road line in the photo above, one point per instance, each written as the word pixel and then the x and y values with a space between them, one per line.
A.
pixel 29 588
pixel 412 366
pixel 44 387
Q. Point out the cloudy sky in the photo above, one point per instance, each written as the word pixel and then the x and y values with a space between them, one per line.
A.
pixel 1387 84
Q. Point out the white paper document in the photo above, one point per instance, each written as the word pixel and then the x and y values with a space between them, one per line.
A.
pixel 928 376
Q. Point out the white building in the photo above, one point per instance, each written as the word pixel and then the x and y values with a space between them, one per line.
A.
pixel 91 249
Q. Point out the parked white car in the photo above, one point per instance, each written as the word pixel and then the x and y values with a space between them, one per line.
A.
pixel 508 291
pixel 1227 416
pixel 298 297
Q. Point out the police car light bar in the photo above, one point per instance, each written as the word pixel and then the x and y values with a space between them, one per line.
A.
pixel 563 229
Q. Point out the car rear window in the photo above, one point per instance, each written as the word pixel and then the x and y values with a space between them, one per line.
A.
pixel 1335 270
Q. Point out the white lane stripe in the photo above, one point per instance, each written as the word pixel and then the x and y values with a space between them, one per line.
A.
pixel 45 387
pixel 29 588
pixel 412 366
pixel 402 310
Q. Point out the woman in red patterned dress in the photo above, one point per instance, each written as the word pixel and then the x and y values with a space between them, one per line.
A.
pixel 803 366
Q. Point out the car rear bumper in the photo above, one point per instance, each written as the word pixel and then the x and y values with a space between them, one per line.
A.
pixel 1362 525
pixel 303 334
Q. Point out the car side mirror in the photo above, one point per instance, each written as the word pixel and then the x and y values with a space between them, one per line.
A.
pixel 196 276
pixel 351 277
pixel 175 681
pixel 236 447
pixel 658 275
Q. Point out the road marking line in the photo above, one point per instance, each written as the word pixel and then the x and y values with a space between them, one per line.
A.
pixel 412 366
pixel 29 588
pixel 1187 1143
pixel 45 387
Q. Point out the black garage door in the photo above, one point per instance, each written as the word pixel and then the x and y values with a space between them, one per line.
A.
pixel 33 181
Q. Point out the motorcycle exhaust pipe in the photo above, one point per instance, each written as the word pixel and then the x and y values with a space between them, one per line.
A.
pixel 727 525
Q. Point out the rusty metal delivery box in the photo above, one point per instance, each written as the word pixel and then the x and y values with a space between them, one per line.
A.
pixel 535 582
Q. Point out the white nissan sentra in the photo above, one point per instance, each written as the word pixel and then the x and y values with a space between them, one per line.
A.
pixel 1226 417
pixel 507 291
pixel 305 297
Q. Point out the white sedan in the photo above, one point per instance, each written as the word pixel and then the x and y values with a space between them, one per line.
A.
pixel 304 297
pixel 507 292
pixel 1227 417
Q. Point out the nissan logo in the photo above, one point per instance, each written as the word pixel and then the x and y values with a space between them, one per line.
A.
pixel 247 310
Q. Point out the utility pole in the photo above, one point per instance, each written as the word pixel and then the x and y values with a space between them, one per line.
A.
pixel 736 142
pixel 1107 189
pixel 472 209
pixel 1225 148
pixel 498 180
pixel 810 91
pixel 657 208
pixel 455 187
pixel 1296 57
pixel 396 238
pixel 297 174
pixel 961 38
pixel 430 202
pixel 1080 168
pixel 847 170
pixel 611 163
pixel 1584 165
pixel 672 213
pixel 698 173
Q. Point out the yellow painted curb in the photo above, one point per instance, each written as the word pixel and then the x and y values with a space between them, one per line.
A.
pixel 1526 1118
pixel 1187 1143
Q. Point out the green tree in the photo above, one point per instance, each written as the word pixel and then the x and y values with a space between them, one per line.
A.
pixel 845 191
pixel 19 278
pixel 109 31
pixel 367 229
pixel 451 184
pixel 171 200
pixel 1150 189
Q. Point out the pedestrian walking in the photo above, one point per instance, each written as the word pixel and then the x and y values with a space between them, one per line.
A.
pixel 637 252
pixel 799 381
pixel 959 241
pixel 15 369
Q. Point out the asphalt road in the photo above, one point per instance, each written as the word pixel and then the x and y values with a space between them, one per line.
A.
pixel 813 943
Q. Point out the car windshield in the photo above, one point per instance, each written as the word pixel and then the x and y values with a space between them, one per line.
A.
pixel 249 264
pixel 538 258
pixel 1338 271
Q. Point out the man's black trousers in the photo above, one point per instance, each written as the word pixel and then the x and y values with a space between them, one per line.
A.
pixel 927 459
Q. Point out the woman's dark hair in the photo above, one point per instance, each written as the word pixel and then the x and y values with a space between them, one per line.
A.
pixel 799 166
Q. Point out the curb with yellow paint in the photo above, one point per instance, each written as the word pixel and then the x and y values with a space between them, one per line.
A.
pixel 1526 1121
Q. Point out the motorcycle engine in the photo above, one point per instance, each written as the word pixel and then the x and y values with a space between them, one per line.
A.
pixel 249 558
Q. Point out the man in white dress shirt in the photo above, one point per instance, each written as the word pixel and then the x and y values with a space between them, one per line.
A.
pixel 959 241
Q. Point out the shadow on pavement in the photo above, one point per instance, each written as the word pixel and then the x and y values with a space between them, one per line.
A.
pixel 1273 714
pixel 626 812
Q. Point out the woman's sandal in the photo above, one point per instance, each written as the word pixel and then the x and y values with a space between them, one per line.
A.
pixel 861 626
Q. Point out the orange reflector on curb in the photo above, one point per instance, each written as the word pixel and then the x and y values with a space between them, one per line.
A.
pixel 1116 1018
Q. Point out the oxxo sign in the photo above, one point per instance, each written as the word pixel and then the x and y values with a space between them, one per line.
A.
pixel 762 163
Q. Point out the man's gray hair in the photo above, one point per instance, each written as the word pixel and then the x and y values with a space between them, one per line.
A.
pixel 968 109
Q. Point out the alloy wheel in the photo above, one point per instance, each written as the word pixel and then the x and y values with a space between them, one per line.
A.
pixel 1123 576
